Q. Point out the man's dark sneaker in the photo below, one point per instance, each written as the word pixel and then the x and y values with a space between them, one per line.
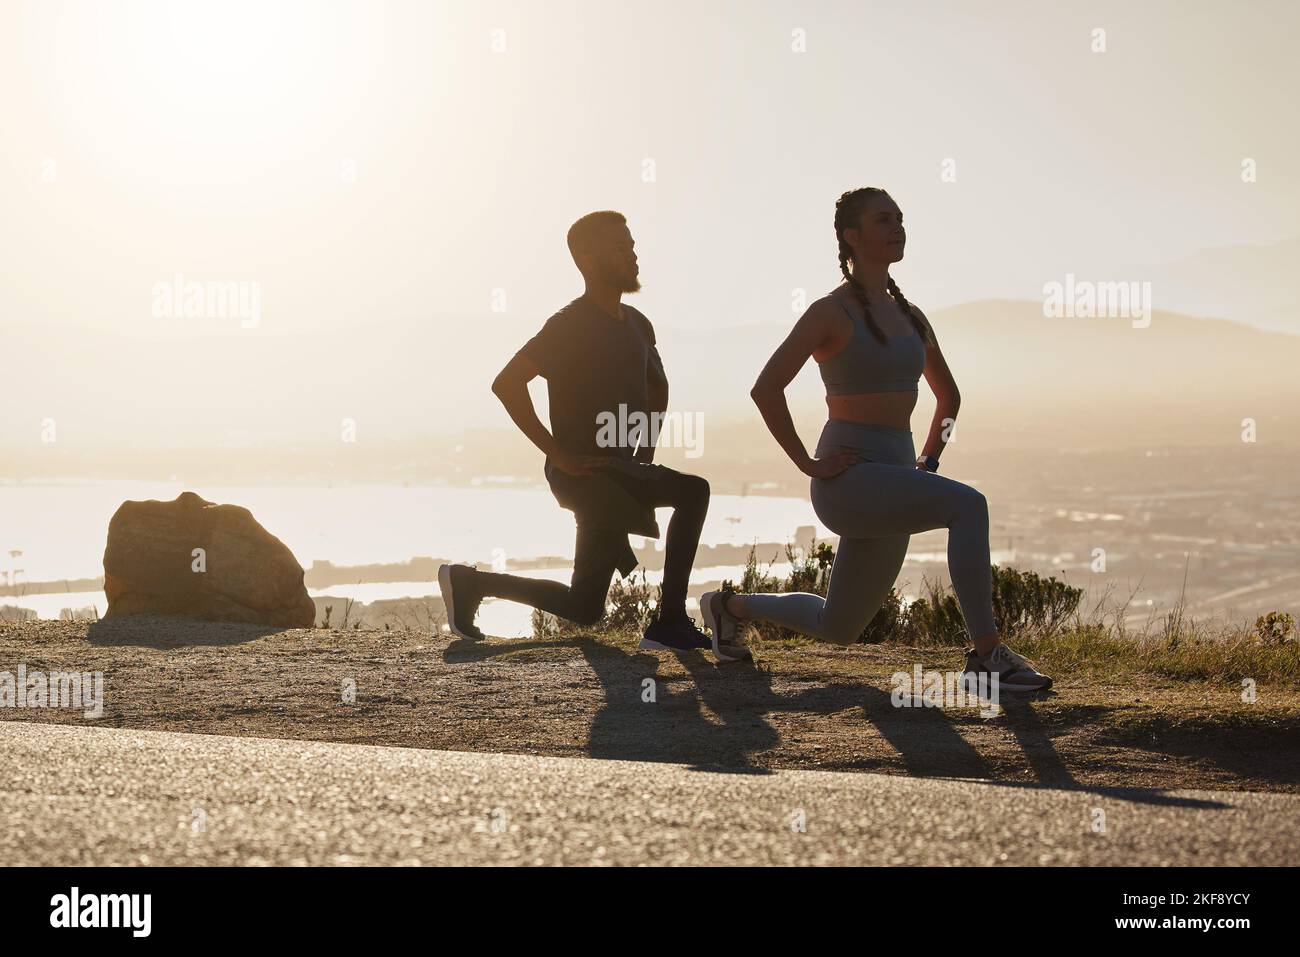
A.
pixel 675 633
pixel 462 599
pixel 1014 672
pixel 728 643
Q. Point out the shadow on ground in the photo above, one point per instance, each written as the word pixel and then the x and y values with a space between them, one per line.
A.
pixel 719 718
pixel 164 632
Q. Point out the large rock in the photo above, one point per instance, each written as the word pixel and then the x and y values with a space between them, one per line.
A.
pixel 250 576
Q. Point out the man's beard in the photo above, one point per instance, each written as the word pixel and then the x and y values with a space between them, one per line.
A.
pixel 624 280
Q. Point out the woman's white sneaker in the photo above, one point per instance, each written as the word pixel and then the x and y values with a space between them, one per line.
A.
pixel 1014 673
pixel 728 645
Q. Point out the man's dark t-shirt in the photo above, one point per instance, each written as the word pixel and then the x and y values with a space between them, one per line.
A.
pixel 592 363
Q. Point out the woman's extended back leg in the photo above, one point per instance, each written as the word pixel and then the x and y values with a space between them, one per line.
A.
pixel 864 571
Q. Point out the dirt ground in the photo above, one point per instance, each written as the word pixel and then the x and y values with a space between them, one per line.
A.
pixel 806 706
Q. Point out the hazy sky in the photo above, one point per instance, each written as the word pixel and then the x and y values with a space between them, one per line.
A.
pixel 367 162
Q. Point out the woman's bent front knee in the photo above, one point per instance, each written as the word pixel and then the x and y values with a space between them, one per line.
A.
pixel 971 503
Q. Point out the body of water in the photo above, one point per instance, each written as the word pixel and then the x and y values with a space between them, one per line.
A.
pixel 57 531
pixel 60 530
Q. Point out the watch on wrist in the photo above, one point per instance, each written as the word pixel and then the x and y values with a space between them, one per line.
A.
pixel 927 462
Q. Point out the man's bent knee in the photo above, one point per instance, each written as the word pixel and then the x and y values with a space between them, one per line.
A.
pixel 694 488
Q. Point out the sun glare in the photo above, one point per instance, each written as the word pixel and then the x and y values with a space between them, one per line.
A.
pixel 224 78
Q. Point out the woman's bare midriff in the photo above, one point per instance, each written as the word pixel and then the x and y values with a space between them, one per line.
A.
pixel 890 409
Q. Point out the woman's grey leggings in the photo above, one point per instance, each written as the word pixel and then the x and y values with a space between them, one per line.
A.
pixel 874 507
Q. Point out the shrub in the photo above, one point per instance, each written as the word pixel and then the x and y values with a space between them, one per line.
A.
pixel 630 606
pixel 1025 602
pixel 1275 628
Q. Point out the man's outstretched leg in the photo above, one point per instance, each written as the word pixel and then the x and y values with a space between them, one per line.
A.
pixel 581 601
pixel 594 564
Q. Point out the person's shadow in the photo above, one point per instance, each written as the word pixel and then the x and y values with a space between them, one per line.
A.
pixel 717 718
pixel 652 716
pixel 647 715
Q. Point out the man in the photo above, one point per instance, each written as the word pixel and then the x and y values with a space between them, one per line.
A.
pixel 599 360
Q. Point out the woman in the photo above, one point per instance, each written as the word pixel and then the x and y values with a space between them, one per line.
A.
pixel 868 485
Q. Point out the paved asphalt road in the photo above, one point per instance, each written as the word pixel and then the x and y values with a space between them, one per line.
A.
pixel 74 795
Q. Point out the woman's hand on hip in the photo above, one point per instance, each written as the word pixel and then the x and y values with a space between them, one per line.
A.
pixel 832 465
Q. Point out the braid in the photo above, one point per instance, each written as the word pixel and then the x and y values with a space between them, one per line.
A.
pixel 899 298
pixel 847 210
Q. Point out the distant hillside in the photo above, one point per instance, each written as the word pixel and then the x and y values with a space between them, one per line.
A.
pixel 1248 283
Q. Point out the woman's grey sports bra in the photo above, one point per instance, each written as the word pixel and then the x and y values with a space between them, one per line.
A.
pixel 865 365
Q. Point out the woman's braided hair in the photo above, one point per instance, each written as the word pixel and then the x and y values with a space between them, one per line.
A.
pixel 848 210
